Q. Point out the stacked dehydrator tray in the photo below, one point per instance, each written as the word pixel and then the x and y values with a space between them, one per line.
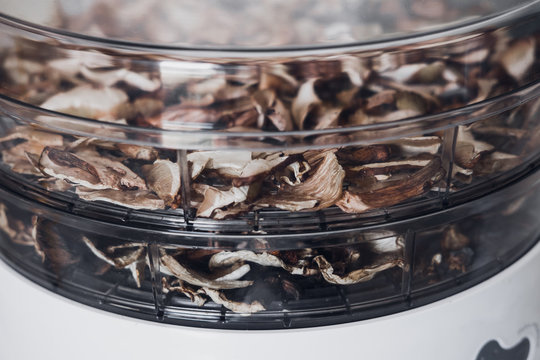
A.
pixel 187 172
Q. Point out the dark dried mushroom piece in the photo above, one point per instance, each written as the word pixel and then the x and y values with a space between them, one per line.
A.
pixel 52 247
pixel 394 192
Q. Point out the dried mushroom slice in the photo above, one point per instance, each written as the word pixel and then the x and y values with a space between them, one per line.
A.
pixel 22 157
pixel 86 101
pixel 227 258
pixel 394 192
pixel 235 306
pixel 321 188
pixel 201 160
pixel 216 199
pixel 194 278
pixel 518 58
pixel 242 166
pixel 108 78
pixel 90 169
pixel 354 277
pixel 52 247
pixel 133 199
pixel 305 101
pixel 163 177
pixel 134 260
pixel 179 286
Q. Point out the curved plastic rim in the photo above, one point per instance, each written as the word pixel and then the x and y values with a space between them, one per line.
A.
pixel 304 139
pixel 454 29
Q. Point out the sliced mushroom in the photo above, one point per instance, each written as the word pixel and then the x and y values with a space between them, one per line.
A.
pixel 194 278
pixel 216 199
pixel 163 177
pixel 228 258
pixel 321 189
pixel 108 78
pixel 134 260
pixel 197 298
pixel 304 102
pixel 394 192
pixel 133 199
pixel 354 277
pixel 235 306
pixel 87 101
pixel 518 59
pixel 88 168
pixel 201 160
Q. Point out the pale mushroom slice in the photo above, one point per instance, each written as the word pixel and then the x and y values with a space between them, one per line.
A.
pixel 133 199
pixel 201 160
pixel 305 101
pixel 194 278
pixel 354 277
pixel 417 72
pixel 215 198
pixel 87 101
pixel 163 177
pixel 496 162
pixel 269 106
pixel 238 307
pixel 177 285
pixel 87 167
pixel 409 146
pixel 62 164
pixel 239 165
pixel 32 135
pixel 22 157
pixel 297 169
pixel 228 258
pixel 134 260
pixel 4 223
pixel 136 152
pixel 108 78
pixel 384 241
pixel 518 58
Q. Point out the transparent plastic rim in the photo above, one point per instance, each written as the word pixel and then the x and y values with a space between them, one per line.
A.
pixel 452 30
pixel 265 141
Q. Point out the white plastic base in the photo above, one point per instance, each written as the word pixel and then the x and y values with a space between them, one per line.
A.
pixel 37 324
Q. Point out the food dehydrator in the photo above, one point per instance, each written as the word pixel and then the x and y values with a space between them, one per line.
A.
pixel 275 179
